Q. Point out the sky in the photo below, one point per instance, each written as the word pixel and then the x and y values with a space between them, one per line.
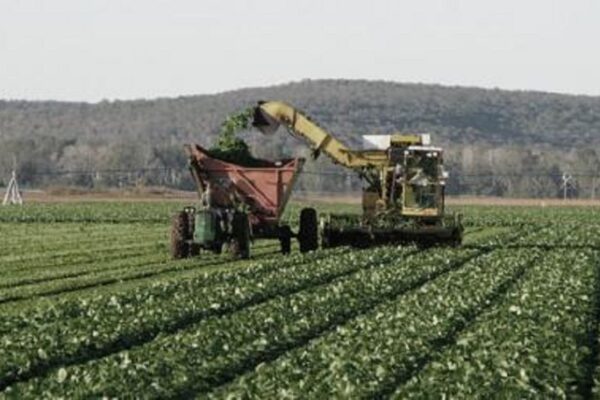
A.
pixel 92 50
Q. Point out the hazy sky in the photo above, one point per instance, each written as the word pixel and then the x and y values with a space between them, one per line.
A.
pixel 93 49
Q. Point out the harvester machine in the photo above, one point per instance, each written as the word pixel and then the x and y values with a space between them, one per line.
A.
pixel 404 176
pixel 238 204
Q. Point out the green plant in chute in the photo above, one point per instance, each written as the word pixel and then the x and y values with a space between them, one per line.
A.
pixel 231 148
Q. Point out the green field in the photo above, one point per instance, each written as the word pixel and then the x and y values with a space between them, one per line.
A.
pixel 91 305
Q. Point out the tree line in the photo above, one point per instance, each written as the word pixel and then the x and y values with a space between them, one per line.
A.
pixel 501 134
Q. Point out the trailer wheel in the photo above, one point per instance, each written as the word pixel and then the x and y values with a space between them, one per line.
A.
pixel 308 235
pixel 240 243
pixel 285 239
pixel 179 236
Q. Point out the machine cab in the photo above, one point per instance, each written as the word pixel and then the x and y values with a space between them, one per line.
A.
pixel 423 180
pixel 414 175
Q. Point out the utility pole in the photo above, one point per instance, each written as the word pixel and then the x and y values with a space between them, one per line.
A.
pixel 12 195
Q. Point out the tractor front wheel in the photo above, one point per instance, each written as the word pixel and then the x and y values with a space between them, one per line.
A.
pixel 180 248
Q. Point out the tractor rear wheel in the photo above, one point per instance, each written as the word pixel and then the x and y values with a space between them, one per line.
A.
pixel 240 242
pixel 308 235
pixel 180 228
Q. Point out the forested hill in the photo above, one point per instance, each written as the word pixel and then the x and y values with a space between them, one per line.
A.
pixel 149 133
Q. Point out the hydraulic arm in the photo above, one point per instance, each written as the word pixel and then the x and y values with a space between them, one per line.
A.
pixel 268 116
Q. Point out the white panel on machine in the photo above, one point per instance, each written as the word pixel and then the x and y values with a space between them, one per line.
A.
pixel 379 142
pixel 382 142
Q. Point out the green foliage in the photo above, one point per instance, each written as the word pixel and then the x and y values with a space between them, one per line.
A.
pixel 92 306
pixel 526 347
pixel 364 357
pixel 504 134
pixel 229 146
pixel 89 212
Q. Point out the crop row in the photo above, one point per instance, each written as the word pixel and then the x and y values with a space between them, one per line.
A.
pixel 70 256
pixel 215 349
pixel 17 235
pixel 69 331
pixel 126 269
pixel 90 212
pixel 30 277
pixel 367 356
pixel 117 263
pixel 100 329
pixel 46 251
pixel 253 269
pixel 566 235
pixel 119 274
pixel 532 346
pixel 483 216
pixel 63 308
pixel 571 235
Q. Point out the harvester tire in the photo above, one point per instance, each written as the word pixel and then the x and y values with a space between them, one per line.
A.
pixel 240 241
pixel 180 228
pixel 308 236
pixel 285 239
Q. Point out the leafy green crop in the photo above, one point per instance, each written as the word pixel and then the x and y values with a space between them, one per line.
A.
pixel 91 305
pixel 364 357
pixel 229 146
pixel 529 345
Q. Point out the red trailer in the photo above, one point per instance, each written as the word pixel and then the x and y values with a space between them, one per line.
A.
pixel 239 204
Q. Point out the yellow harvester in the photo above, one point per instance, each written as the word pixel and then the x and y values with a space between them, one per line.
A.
pixel 403 198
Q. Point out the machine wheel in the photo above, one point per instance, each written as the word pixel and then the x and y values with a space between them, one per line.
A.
pixel 179 236
pixel 240 242
pixel 308 236
pixel 285 239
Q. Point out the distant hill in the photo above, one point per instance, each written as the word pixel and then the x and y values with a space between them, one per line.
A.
pixel 483 130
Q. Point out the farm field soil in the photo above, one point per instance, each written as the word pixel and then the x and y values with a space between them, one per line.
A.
pixel 91 305
pixel 139 195
pixel 161 195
